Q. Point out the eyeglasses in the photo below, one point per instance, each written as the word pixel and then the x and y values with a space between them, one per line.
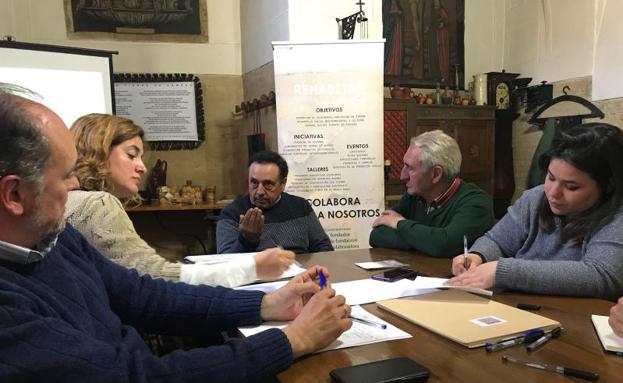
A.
pixel 268 185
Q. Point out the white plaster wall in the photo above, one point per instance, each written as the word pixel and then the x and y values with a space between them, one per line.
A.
pixel 264 21
pixel 607 79
pixel 7 18
pixel 484 36
pixel 316 20
pixel 550 40
pixel 43 21
pixel 261 22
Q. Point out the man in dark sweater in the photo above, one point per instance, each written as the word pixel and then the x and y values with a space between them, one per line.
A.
pixel 438 208
pixel 69 314
pixel 267 217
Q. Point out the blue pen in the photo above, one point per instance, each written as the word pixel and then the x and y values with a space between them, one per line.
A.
pixel 323 280
pixel 382 326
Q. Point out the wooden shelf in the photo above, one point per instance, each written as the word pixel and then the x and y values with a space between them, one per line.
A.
pixel 176 207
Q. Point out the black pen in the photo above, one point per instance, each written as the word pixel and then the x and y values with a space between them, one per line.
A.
pixel 555 333
pixel 528 337
pixel 528 306
pixel 586 375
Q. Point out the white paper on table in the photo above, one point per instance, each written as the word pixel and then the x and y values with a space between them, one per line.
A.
pixel 438 283
pixel 609 340
pixel 358 335
pixel 266 287
pixel 212 259
pixel 380 264
pixel 371 290
pixel 360 291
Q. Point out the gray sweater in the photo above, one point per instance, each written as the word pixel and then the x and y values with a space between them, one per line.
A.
pixel 291 224
pixel 533 261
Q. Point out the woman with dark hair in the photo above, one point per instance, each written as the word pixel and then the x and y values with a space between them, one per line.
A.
pixel 109 169
pixel 564 237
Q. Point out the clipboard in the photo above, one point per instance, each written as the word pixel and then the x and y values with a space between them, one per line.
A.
pixel 466 318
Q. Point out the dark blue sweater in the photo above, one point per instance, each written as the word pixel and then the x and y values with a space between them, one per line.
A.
pixel 72 317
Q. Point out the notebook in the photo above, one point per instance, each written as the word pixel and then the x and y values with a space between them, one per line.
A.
pixel 609 340
pixel 466 318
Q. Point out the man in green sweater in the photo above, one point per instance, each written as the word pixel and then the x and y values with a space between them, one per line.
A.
pixel 438 208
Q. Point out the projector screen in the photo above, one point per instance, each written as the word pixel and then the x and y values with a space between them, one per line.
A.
pixel 70 81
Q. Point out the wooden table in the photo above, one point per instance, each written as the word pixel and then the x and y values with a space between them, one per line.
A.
pixel 578 346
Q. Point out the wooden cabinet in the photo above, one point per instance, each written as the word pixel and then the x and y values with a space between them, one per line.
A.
pixel 472 126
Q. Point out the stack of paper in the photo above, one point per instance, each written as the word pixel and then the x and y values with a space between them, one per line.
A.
pixel 211 259
pixel 609 340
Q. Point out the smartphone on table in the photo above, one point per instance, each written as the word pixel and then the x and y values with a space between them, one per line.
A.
pixel 395 274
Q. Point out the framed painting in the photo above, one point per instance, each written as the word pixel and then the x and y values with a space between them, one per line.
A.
pixel 424 42
pixel 143 20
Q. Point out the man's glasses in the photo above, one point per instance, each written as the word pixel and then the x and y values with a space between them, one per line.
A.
pixel 268 185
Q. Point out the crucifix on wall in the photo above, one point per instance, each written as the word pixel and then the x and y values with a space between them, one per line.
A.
pixel 346 26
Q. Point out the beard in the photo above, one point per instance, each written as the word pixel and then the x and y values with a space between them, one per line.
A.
pixel 47 231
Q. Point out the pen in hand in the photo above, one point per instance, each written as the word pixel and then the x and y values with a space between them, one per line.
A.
pixel 465 259
pixel 323 280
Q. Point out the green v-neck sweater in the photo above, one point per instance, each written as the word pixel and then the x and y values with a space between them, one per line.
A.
pixel 438 233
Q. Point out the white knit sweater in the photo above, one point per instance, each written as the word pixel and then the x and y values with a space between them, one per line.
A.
pixel 101 219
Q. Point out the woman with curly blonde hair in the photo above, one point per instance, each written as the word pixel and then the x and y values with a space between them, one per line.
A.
pixel 109 169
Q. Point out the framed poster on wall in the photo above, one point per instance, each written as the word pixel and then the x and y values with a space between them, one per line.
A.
pixel 169 107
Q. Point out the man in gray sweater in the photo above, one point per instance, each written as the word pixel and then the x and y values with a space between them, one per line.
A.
pixel 267 216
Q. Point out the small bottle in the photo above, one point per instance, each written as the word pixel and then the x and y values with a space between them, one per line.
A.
pixel 437 97
pixel 210 194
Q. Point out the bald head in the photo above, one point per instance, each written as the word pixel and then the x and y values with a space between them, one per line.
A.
pixel 36 172
pixel 27 130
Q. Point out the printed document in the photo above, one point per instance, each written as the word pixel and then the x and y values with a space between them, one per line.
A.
pixel 358 335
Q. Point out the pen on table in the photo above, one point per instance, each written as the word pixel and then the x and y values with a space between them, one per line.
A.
pixel 369 322
pixel 587 375
pixel 465 259
pixel 555 333
pixel 528 337
pixel 528 306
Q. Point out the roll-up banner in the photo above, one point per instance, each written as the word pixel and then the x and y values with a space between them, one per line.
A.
pixel 330 131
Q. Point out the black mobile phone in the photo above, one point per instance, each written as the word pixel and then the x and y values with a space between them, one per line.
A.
pixel 395 274
pixel 401 370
